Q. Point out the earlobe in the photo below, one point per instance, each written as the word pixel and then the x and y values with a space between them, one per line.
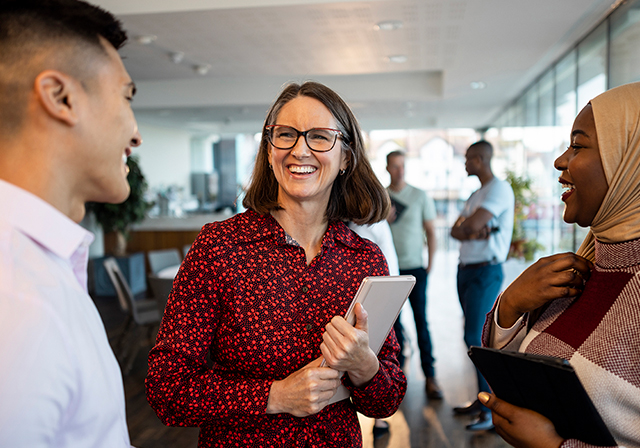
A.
pixel 56 93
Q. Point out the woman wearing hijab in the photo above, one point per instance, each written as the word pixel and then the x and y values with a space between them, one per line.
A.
pixel 262 294
pixel 594 323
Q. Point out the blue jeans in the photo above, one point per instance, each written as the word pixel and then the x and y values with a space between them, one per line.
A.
pixel 418 301
pixel 478 288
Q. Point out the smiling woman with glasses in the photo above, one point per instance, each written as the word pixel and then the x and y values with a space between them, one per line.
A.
pixel 262 294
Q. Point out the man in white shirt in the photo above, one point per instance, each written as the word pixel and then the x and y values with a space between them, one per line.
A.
pixel 484 230
pixel 66 128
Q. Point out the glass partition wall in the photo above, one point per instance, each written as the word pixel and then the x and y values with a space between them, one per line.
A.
pixel 534 129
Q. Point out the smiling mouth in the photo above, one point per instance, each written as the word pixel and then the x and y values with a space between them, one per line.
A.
pixel 567 189
pixel 301 169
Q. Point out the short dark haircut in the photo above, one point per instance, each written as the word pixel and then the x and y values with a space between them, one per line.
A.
pixel 396 153
pixel 485 148
pixel 32 29
pixel 357 195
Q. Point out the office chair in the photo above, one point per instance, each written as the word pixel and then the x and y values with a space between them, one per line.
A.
pixel 161 288
pixel 141 315
pixel 185 249
pixel 160 259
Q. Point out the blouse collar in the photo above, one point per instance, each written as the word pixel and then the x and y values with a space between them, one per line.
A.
pixel 268 227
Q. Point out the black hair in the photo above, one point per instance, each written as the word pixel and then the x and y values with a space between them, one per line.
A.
pixel 51 19
pixel 36 35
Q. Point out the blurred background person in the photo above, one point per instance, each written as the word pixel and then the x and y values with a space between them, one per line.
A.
pixel 484 229
pixel 411 219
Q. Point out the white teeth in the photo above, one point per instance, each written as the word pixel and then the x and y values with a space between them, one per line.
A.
pixel 302 169
pixel 567 187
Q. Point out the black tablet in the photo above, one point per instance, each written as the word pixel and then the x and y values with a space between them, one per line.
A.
pixel 546 385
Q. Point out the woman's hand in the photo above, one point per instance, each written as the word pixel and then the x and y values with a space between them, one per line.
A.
pixel 346 348
pixel 521 427
pixel 550 278
pixel 305 392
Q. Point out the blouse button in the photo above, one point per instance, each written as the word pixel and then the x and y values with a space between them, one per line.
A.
pixel 305 289
pixel 308 327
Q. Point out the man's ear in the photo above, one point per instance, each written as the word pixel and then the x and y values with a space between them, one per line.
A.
pixel 58 95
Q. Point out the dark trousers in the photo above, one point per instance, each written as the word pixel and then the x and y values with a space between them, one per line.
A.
pixel 418 301
pixel 478 289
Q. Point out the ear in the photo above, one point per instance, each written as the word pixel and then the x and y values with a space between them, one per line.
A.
pixel 269 155
pixel 344 163
pixel 58 95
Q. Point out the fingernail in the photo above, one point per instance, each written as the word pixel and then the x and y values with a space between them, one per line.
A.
pixel 484 397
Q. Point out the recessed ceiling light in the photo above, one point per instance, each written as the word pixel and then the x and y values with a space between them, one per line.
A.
pixel 388 25
pixel 477 85
pixel 145 39
pixel 202 69
pixel 397 58
pixel 176 56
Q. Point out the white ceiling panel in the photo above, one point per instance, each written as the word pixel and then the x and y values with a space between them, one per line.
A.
pixel 253 47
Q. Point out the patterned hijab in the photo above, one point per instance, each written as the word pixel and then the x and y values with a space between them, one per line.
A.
pixel 617 119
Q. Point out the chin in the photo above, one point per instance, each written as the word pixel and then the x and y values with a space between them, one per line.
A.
pixel 567 218
pixel 117 197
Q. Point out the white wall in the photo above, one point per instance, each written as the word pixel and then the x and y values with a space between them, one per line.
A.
pixel 165 157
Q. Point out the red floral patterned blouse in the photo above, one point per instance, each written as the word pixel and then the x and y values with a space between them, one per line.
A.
pixel 245 296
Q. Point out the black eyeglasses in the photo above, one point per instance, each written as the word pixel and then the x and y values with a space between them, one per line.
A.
pixel 286 137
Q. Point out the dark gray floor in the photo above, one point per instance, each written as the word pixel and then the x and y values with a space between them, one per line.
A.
pixel 419 423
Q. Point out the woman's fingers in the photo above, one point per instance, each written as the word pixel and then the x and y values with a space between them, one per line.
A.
pixel 570 262
pixel 304 392
pixel 550 278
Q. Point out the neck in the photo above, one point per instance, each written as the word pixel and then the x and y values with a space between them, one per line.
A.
pixel 397 186
pixel 304 223
pixel 34 168
pixel 485 177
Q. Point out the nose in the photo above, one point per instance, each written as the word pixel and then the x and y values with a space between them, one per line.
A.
pixel 136 140
pixel 301 149
pixel 561 162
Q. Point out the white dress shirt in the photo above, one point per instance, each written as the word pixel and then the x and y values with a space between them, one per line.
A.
pixel 60 384
pixel 380 234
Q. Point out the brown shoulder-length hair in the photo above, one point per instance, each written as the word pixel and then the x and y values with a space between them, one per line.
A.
pixel 357 195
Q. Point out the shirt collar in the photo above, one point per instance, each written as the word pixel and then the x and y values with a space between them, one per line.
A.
pixel 41 222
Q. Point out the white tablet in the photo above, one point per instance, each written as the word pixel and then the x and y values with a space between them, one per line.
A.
pixel 382 298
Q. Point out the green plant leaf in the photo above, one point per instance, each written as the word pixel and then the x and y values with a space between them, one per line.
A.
pixel 119 217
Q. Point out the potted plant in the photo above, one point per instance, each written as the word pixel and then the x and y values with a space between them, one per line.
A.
pixel 521 247
pixel 119 217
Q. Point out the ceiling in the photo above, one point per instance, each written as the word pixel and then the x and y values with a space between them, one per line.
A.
pixel 253 47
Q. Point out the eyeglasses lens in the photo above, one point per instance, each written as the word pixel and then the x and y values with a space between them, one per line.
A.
pixel 285 137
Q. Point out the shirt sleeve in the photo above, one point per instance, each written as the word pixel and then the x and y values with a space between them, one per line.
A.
pixel 180 386
pixel 498 198
pixel 384 240
pixel 495 336
pixel 429 209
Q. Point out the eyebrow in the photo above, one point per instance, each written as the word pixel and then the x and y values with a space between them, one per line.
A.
pixel 579 132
